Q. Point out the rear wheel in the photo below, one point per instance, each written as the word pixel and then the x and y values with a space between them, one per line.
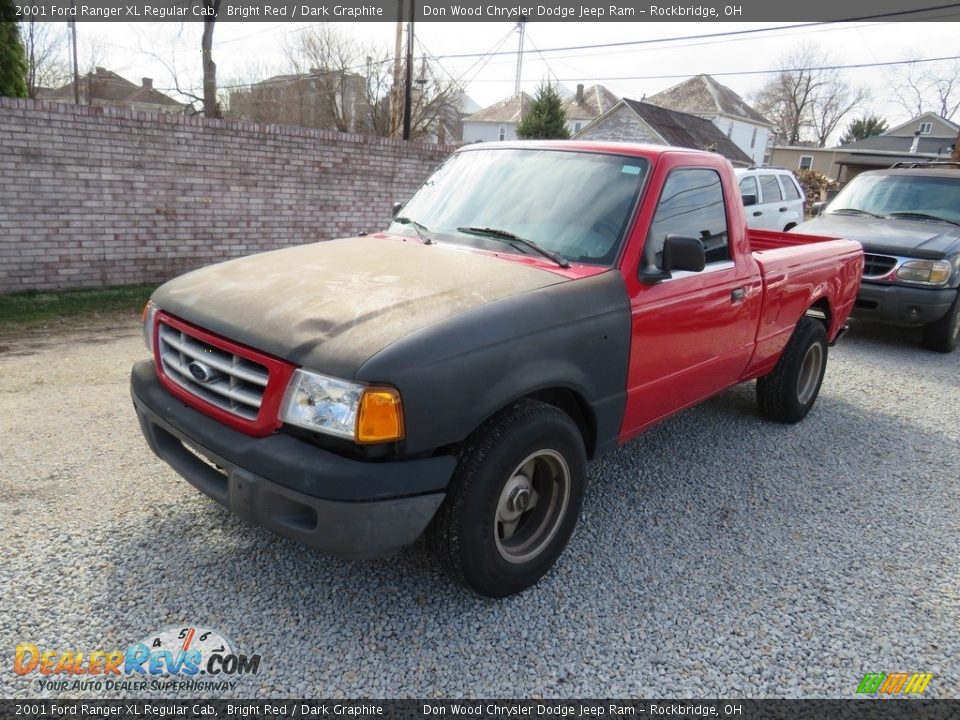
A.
pixel 788 393
pixel 513 501
pixel 942 335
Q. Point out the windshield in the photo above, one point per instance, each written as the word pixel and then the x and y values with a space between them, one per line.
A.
pixel 574 204
pixel 937 197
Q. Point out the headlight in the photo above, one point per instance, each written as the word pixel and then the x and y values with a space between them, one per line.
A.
pixel 349 410
pixel 932 272
pixel 148 318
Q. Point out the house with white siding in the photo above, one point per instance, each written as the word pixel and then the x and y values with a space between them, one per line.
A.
pixel 706 98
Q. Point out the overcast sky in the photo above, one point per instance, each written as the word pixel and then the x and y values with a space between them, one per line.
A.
pixel 245 49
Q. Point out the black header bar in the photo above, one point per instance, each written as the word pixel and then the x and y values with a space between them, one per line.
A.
pixel 882 709
pixel 486 10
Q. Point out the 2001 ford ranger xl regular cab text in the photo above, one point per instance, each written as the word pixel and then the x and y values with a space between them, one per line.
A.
pixel 533 306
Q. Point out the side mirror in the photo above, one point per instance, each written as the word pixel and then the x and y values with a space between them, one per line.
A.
pixel 817 208
pixel 397 207
pixel 749 200
pixel 683 253
pixel 679 253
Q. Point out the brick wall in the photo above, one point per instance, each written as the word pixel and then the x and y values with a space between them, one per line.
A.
pixel 96 196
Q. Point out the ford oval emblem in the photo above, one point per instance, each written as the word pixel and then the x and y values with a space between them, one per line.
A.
pixel 201 372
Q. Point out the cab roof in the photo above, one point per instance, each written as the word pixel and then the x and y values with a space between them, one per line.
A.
pixel 651 152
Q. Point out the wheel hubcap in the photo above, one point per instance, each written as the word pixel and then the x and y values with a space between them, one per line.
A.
pixel 531 506
pixel 810 370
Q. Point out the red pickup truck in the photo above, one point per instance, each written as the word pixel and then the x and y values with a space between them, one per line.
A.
pixel 533 306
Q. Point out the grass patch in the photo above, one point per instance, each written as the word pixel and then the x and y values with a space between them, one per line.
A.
pixel 42 307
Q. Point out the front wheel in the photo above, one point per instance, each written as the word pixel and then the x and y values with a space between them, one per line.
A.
pixel 514 500
pixel 942 335
pixel 787 394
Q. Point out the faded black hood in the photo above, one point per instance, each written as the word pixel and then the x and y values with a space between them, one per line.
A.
pixel 891 236
pixel 330 306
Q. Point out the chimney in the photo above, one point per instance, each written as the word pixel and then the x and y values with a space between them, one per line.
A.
pixel 916 142
pixel 147 83
pixel 579 93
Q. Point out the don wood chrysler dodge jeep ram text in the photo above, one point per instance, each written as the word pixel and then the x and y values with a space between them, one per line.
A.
pixel 531 307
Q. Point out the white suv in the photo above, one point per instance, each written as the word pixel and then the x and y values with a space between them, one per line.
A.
pixel 777 198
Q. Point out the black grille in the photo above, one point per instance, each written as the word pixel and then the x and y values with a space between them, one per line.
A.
pixel 878 265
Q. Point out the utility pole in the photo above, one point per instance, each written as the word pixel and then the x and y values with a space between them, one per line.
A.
pixel 409 80
pixel 73 42
pixel 395 109
pixel 521 27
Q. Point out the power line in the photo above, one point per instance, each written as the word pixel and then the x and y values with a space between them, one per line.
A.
pixel 729 33
pixel 771 72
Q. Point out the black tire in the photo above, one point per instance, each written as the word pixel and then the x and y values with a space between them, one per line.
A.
pixel 469 534
pixel 942 335
pixel 790 390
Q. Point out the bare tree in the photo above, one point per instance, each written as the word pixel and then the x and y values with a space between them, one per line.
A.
pixel 928 87
pixel 834 102
pixel 211 107
pixel 340 83
pixel 806 98
pixel 46 48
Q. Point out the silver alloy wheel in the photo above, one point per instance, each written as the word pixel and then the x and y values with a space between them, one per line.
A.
pixel 809 373
pixel 532 505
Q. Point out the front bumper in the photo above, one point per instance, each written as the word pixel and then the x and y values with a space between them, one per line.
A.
pixel 343 507
pixel 900 305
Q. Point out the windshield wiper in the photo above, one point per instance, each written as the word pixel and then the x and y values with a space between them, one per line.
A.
pixel 422 230
pixel 922 216
pixel 509 237
pixel 854 211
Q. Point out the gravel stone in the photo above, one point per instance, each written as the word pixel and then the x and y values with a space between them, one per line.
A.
pixel 717 555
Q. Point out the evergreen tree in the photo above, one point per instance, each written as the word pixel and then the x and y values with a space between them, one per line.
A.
pixel 13 60
pixel 545 120
pixel 864 127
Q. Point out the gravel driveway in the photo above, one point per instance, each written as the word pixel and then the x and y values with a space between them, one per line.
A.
pixel 718 555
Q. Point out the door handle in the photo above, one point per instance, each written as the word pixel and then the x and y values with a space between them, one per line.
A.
pixel 783 209
pixel 757 213
pixel 738 294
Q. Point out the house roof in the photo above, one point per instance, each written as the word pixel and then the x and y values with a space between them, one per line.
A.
pixel 686 130
pixel 596 101
pixel 106 85
pixel 508 110
pixel 898 144
pixel 704 95
pixel 932 117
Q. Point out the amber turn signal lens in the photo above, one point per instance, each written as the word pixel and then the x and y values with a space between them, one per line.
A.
pixel 380 418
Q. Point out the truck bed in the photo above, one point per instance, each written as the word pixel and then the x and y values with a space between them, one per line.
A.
pixel 798 270
pixel 763 240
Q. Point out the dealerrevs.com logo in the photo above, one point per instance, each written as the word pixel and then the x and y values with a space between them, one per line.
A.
pixel 188 658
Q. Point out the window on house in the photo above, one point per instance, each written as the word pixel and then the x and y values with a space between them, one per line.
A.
pixel 926 128
pixel 753 139
pixel 577 126
pixel 806 162
pixel 503 132
pixel 729 129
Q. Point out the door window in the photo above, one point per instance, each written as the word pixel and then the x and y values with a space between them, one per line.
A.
pixel 748 186
pixel 790 191
pixel 691 204
pixel 770 188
